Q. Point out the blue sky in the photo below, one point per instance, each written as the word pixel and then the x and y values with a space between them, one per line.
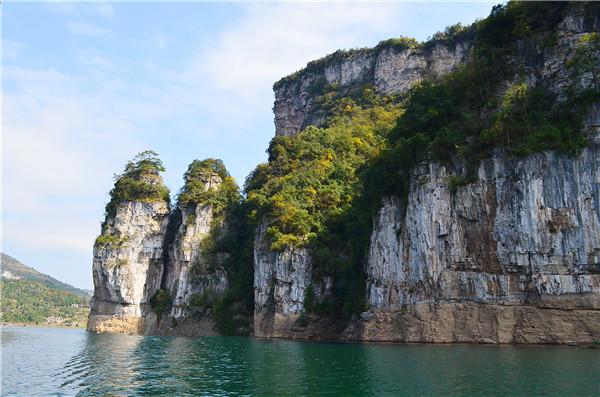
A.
pixel 88 85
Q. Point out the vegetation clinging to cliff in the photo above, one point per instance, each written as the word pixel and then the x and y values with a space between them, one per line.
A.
pixel 312 177
pixel 198 185
pixel 319 190
pixel 228 243
pixel 160 302
pixel 140 181
pixel 310 193
pixel 469 112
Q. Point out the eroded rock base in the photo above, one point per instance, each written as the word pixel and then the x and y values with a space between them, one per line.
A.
pixel 116 324
pixel 479 323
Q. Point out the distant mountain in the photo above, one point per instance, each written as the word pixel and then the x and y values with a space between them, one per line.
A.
pixel 29 296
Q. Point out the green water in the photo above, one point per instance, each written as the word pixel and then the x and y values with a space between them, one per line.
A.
pixel 49 362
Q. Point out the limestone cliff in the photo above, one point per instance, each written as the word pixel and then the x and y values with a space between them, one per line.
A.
pixel 127 266
pixel 497 248
pixel 152 274
pixel 188 276
pixel 513 256
pixel 392 67
pixel 280 283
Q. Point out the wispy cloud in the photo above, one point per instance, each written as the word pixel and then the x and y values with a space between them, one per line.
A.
pixel 68 124
pixel 58 150
pixel 88 29
pixel 274 41
pixel 93 58
pixel 103 9
pixel 99 8
pixel 11 49
pixel 271 41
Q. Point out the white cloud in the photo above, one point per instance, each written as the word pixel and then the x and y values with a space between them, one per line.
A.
pixel 11 49
pixel 103 9
pixel 93 59
pixel 87 29
pixel 66 133
pixel 72 234
pixel 275 40
pixel 100 8
pixel 58 149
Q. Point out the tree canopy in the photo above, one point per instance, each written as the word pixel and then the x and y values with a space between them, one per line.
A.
pixel 139 181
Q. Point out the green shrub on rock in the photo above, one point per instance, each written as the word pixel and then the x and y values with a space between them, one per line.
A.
pixel 160 302
pixel 140 181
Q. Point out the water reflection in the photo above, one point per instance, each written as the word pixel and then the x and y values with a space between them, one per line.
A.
pixel 105 364
pixel 61 362
pixel 125 365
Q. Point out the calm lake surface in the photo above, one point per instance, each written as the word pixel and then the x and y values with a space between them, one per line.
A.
pixel 57 362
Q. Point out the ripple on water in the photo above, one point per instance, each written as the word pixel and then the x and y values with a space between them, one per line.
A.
pixel 43 362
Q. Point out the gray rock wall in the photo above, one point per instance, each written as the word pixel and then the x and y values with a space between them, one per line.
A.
pixel 128 271
pixel 527 228
pixel 280 283
pixel 513 257
pixel 143 258
pixel 389 69
pixel 523 239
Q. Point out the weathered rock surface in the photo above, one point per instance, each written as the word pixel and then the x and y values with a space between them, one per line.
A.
pixel 127 269
pixel 389 69
pixel 184 254
pixel 520 246
pixel 187 275
pixel 280 283
pixel 472 322
pixel 513 257
pixel 393 69
pixel 148 249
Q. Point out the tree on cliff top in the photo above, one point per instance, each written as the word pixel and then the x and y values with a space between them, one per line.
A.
pixel 140 181
pixel 144 162
pixel 198 189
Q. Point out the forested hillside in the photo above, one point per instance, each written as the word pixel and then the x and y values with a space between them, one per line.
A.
pixel 32 297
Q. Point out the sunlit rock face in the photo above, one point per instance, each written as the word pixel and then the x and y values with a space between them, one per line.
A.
pixel 281 279
pixel 128 267
pixel 187 273
pixel 520 246
pixel 389 69
pixel 143 248
pixel 513 257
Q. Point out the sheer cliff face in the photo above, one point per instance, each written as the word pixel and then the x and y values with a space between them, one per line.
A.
pixel 187 274
pixel 394 70
pixel 513 257
pixel 185 253
pixel 127 266
pixel 144 248
pixel 281 279
pixel 519 247
pixel 389 69
pixel 280 283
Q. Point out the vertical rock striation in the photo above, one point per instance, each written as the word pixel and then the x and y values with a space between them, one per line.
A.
pixel 513 257
pixel 145 252
pixel 188 275
pixel 281 279
pixel 389 68
pixel 127 266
